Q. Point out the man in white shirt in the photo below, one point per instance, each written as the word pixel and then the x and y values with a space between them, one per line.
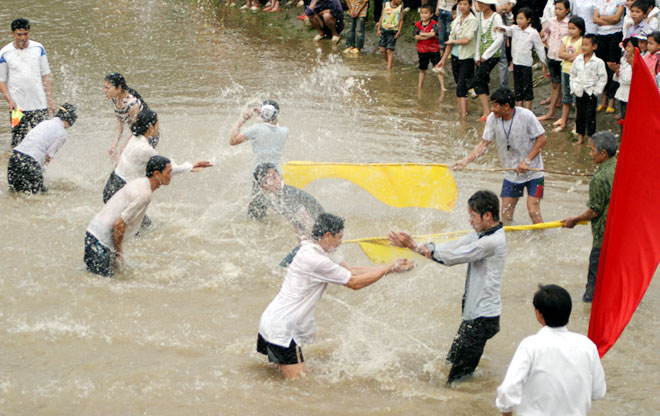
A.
pixel 519 137
pixel 25 79
pixel 484 251
pixel 121 216
pixel 25 168
pixel 268 139
pixel 288 321
pixel 555 371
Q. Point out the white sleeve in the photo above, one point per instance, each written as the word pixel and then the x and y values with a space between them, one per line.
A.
pixel 509 29
pixel 328 271
pixel 598 386
pixel 43 63
pixel 548 11
pixel 489 130
pixel 538 46
pixel 184 167
pixel 451 254
pixel 56 145
pixel 498 38
pixel 3 69
pixel 602 78
pixel 509 393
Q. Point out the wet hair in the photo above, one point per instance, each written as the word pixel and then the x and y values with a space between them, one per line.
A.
pixel 269 110
pixel 655 36
pixel 527 12
pixel 592 37
pixel 156 163
pixel 426 7
pixel 566 3
pixel 118 81
pixel 484 201
pixel 554 303
pixel 262 170
pixel 67 112
pixel 579 23
pixel 145 119
pixel 605 140
pixel 504 96
pixel 327 223
pixel 20 23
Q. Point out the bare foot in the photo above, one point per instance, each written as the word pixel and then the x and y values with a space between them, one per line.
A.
pixel 559 128
pixel 545 117
pixel 545 102
pixel 558 123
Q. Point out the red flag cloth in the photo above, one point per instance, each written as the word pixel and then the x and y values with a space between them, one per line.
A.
pixel 631 245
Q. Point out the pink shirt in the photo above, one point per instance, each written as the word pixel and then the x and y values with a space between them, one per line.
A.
pixel 651 61
pixel 555 31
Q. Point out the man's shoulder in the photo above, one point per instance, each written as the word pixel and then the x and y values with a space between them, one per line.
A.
pixel 7 48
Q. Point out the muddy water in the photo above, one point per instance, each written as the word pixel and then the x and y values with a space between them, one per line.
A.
pixel 175 333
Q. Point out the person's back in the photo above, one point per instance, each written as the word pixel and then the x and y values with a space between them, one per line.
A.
pixel 47 137
pixel 267 143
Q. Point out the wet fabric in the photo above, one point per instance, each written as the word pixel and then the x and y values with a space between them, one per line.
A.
pixel 23 71
pixel 24 174
pixel 114 184
pixel 44 140
pixel 98 258
pixel 468 345
pixel 280 355
pixel 30 120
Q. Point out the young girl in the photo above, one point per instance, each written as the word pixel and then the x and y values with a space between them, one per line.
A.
pixel 623 74
pixel 652 55
pixel 555 30
pixel 489 51
pixel 463 35
pixel 571 47
pixel 524 39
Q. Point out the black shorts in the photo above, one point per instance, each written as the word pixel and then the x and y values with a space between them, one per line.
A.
pixel 425 57
pixel 387 39
pixel 523 84
pixel 554 67
pixel 24 174
pixel 278 354
pixel 112 186
pixel 99 259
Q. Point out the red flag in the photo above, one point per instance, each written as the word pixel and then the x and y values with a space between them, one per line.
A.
pixel 631 245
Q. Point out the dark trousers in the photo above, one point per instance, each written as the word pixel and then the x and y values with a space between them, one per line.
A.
pixel 99 259
pixel 29 120
pixel 463 70
pixel 259 205
pixel 24 174
pixel 355 37
pixel 468 345
pixel 594 259
pixel 610 51
pixel 482 80
pixel 585 118
pixel 523 83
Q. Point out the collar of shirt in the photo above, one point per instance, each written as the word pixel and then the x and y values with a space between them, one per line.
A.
pixel 492 230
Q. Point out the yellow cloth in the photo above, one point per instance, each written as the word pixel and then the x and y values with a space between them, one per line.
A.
pixel 396 184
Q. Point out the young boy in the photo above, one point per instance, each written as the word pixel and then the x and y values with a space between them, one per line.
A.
pixel 357 17
pixel 428 48
pixel 588 79
pixel 389 29
pixel 555 371
pixel 639 24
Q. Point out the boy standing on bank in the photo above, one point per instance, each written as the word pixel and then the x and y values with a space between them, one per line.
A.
pixel 428 48
pixel 389 29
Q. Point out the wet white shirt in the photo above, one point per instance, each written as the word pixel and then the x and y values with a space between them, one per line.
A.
pixel 267 143
pixel 290 316
pixel 486 259
pixel 515 138
pixel 133 160
pixel 22 70
pixel 554 372
pixel 130 204
pixel 45 139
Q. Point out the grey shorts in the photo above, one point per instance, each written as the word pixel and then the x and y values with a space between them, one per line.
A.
pixel 387 39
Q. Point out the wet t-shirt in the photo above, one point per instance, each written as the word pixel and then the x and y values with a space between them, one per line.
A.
pixel 267 143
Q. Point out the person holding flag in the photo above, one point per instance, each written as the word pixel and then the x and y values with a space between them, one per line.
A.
pixel 603 152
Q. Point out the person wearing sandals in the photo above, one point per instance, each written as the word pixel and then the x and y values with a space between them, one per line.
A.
pixel 327 16
pixel 357 11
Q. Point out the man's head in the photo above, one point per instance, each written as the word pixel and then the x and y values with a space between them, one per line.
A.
pixel 503 102
pixel 589 44
pixel 554 304
pixel 20 31
pixel 268 178
pixel 638 11
pixel 146 119
pixel 269 110
pixel 67 112
pixel 603 146
pixel 160 169
pixel 484 210
pixel 328 231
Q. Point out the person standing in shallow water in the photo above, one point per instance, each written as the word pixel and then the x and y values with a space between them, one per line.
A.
pixel 484 251
pixel 25 79
pixel 127 104
pixel 288 321
pixel 603 152
pixel 268 139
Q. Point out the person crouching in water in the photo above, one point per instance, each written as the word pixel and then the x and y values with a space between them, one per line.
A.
pixel 25 169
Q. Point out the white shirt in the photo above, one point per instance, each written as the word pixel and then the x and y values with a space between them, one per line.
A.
pixel 130 204
pixel 515 138
pixel 555 372
pixel 609 8
pixel 549 11
pixel 133 160
pixel 585 9
pixel 522 43
pixel 589 77
pixel 491 23
pixel 22 70
pixel 290 316
pixel 486 257
pixel 267 143
pixel 45 139
pixel 624 77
